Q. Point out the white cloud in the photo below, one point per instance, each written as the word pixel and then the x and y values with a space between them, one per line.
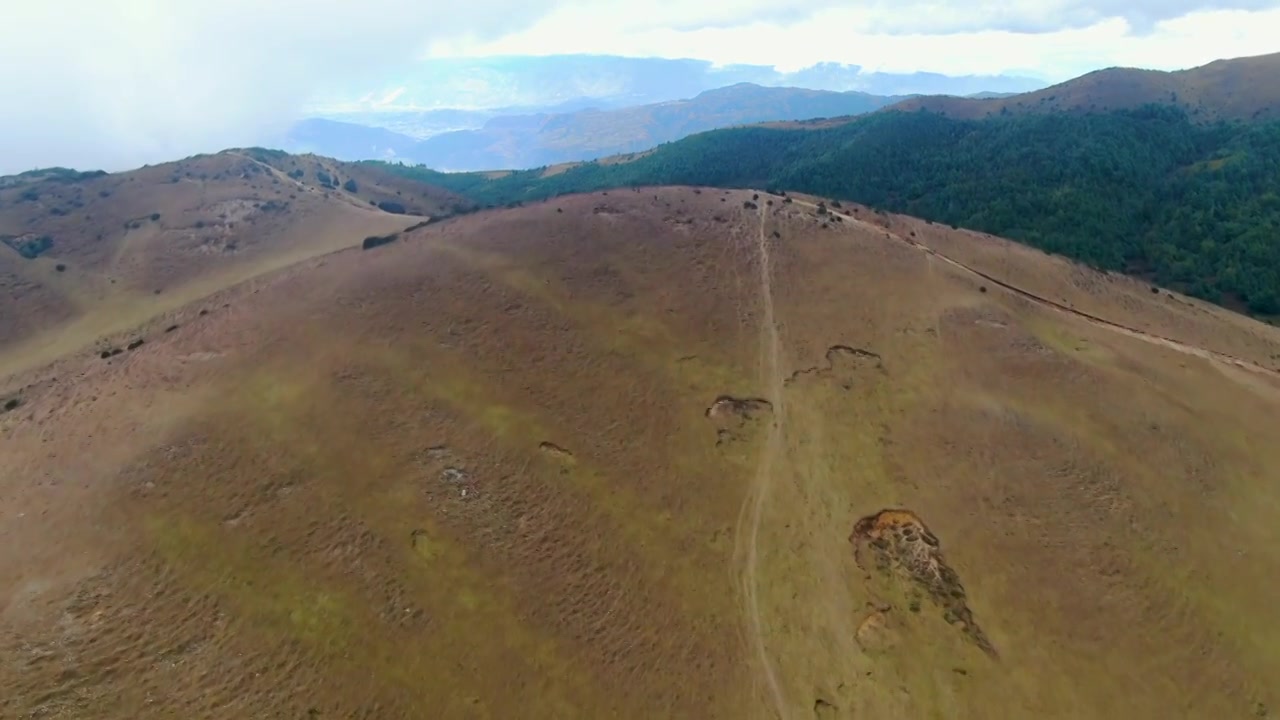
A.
pixel 864 36
pixel 116 83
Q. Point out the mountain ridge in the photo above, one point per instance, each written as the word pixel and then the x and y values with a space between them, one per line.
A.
pixel 1241 89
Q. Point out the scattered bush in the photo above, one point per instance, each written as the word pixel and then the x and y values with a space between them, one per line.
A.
pixel 155 217
pixel 135 344
pixel 12 404
pixel 350 186
pixel 374 241
pixel 296 173
pixel 747 204
pixel 30 248
pixel 60 267
pixel 391 207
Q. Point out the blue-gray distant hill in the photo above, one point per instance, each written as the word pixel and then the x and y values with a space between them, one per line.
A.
pixel 537 139
pixel 610 82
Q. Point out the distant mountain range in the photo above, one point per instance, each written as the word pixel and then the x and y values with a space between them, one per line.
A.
pixel 537 139
pixel 518 112
pixel 563 83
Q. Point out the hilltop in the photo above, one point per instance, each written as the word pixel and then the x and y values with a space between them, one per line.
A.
pixel 679 452
pixel 1243 89
pixel 82 254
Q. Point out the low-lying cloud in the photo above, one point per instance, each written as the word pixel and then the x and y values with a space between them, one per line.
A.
pixel 119 83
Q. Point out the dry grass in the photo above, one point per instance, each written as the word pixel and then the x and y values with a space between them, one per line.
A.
pixel 553 170
pixel 483 472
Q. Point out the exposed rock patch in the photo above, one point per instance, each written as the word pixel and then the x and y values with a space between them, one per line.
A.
pixel 842 362
pixel 897 543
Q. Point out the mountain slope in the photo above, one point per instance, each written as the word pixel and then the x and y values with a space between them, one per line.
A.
pixel 84 257
pixel 1237 89
pixel 1146 191
pixel 672 453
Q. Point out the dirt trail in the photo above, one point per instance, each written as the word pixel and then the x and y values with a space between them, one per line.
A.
pixel 748 530
pixel 1195 350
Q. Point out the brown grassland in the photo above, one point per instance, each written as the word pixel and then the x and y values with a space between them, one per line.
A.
pixel 659 453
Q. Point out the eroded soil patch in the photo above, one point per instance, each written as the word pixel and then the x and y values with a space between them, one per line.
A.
pixel 896 542
pixel 842 362
pixel 731 415
pixel 559 453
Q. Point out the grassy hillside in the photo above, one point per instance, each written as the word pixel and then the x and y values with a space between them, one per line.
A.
pixel 678 453
pixel 84 254
pixel 1148 191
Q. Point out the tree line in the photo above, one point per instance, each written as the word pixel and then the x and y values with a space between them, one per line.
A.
pixel 1146 191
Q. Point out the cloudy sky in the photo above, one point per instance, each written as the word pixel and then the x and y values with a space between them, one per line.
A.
pixel 118 83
